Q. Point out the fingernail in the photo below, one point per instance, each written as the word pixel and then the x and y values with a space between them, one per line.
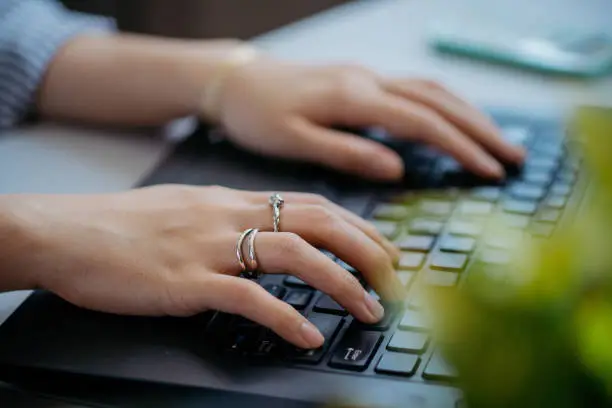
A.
pixel 491 167
pixel 311 335
pixel 375 308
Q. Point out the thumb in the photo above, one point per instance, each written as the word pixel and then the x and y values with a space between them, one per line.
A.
pixel 345 152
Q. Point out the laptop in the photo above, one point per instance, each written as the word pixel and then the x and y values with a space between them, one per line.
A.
pixel 218 358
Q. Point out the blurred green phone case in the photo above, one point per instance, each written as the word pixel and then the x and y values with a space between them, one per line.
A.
pixel 582 54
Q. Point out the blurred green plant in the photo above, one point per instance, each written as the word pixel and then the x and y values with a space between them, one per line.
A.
pixel 538 332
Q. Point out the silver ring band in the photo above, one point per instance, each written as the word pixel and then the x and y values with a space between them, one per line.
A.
pixel 277 202
pixel 239 244
pixel 252 272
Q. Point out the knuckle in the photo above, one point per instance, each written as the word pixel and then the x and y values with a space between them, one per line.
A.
pixel 322 215
pixel 185 193
pixel 345 87
pixel 291 244
pixel 216 188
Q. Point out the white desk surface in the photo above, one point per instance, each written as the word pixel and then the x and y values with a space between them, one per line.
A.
pixel 388 35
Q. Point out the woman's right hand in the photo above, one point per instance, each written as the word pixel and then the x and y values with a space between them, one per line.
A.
pixel 170 250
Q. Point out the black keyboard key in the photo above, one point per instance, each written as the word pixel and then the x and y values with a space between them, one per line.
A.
pixel 393 212
pixel 507 240
pixel 275 290
pixel 515 221
pixel 541 178
pixel 417 301
pixel 517 135
pixel 243 339
pixel 457 244
pixel 443 194
pixel 386 228
pixel 475 208
pixel 326 304
pixel 355 350
pixel 556 201
pixel 522 191
pixel 268 344
pixel 425 226
pixel 549 215
pixel 347 267
pixel 550 150
pixel 398 364
pixel 422 243
pixel 299 299
pixel 571 166
pixel 438 369
pixel 440 278
pixel 294 281
pixel 542 230
pixel 411 261
pixel 408 342
pixel 520 207
pixel 448 262
pixel 329 326
pixel 561 189
pixel 464 227
pixel 567 177
pixel 436 207
pixel 491 194
pixel 328 254
pixel 495 257
pixel 413 320
pixel 540 164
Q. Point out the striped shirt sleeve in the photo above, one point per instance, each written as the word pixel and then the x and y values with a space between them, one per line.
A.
pixel 31 32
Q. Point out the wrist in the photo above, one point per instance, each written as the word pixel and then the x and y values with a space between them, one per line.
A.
pixel 209 66
pixel 17 246
pixel 211 102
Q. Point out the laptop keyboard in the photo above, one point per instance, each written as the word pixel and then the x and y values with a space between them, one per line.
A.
pixel 442 225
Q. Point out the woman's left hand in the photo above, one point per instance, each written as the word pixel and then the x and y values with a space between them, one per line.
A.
pixel 287 110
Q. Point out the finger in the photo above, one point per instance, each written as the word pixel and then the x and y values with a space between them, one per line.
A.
pixel 314 199
pixel 345 152
pixel 246 298
pixel 466 117
pixel 405 118
pixel 323 228
pixel 289 253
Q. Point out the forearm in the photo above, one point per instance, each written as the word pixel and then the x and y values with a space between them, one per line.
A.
pixel 129 80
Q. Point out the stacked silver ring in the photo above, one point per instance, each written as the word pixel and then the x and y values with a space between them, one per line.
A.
pixel 249 268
